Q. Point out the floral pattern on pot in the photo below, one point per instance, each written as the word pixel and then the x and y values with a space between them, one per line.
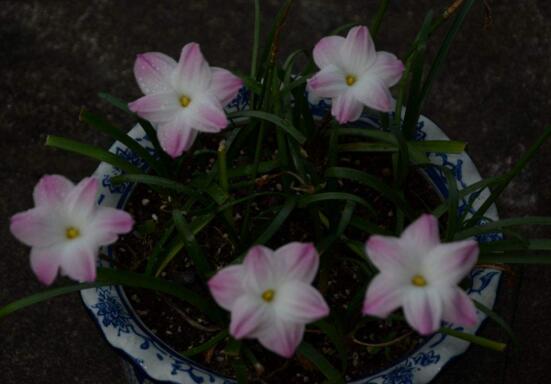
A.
pixel 151 360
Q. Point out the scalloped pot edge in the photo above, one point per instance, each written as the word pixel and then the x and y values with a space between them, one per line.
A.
pixel 153 361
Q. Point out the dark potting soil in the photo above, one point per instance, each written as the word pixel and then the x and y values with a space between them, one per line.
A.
pixel 374 345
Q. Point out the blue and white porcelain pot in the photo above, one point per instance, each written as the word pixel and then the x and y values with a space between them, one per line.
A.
pixel 151 360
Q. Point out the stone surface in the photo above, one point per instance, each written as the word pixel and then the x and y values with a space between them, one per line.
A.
pixel 56 55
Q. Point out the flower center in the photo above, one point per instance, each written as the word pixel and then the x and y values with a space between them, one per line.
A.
pixel 350 80
pixel 72 233
pixel 268 295
pixel 184 101
pixel 418 281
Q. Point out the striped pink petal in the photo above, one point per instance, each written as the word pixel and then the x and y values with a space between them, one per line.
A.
pixel 110 222
pixel 299 302
pixel 458 308
pixel 225 85
pixel 327 51
pixel 387 254
pixel 422 234
pixel 227 286
pixel 192 73
pixel 299 261
pixel 423 310
pixel 387 68
pixel 258 267
pixel 358 50
pixel 209 115
pixel 152 71
pixel 346 107
pixel 176 136
pixel 372 92
pixel 51 189
pixel 34 228
pixel 282 337
pixel 157 108
pixel 79 261
pixel 329 82
pixel 248 315
pixel 451 262
pixel 384 296
pixel 82 199
pixel 45 263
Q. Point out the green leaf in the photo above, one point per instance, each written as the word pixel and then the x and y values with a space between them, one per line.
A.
pixel 247 170
pixel 372 182
pixel 256 39
pixel 482 341
pixel 115 101
pixel 92 152
pixel 378 18
pixel 209 344
pixel 489 182
pixel 274 119
pixel 439 146
pixel 437 63
pixel 192 247
pixel 45 295
pixel 156 181
pixel 153 259
pixel 369 227
pixel 104 126
pixel 337 338
pixel 329 196
pixel 513 257
pixel 331 373
pixel 497 319
pixel 496 226
pixel 278 221
pixel 509 176
pixel 368 147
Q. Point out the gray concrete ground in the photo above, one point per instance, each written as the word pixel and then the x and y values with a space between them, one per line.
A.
pixel 56 55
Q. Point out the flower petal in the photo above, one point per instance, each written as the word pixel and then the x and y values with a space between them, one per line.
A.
pixel 423 310
pixel 35 227
pixel 224 85
pixel 209 116
pixel 282 337
pixel 176 136
pixel 157 108
pixel 299 261
pixel 373 93
pixel 78 261
pixel 358 50
pixel 387 68
pixel 45 263
pixel 82 198
pixel 51 189
pixel 258 267
pixel 109 222
pixel 383 296
pixel 226 286
pixel 346 108
pixel 459 308
pixel 329 82
pixel 192 74
pixel 299 302
pixel 247 317
pixel 387 254
pixel 327 51
pixel 422 234
pixel 152 71
pixel 451 262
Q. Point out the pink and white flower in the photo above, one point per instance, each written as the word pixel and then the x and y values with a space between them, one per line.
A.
pixel 66 228
pixel 270 295
pixel 183 98
pixel 353 74
pixel 420 274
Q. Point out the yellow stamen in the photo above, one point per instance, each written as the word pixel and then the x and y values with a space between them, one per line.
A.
pixel 418 281
pixel 350 80
pixel 184 101
pixel 72 233
pixel 268 295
